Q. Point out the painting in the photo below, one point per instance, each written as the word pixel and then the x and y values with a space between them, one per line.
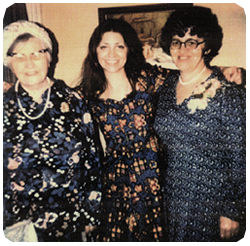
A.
pixel 148 21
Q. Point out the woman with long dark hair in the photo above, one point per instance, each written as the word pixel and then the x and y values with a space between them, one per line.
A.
pixel 120 93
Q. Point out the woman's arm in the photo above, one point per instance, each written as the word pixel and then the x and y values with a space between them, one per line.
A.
pixel 233 136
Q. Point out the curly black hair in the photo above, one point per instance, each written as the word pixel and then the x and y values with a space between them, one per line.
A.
pixel 201 22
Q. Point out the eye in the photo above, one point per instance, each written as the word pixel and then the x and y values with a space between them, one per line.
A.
pixel 191 42
pixel 19 56
pixel 102 47
pixel 121 46
pixel 175 42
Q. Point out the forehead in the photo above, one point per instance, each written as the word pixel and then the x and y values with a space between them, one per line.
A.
pixel 29 46
pixel 112 37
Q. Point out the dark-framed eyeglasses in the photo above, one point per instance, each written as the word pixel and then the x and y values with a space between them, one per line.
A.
pixel 189 44
pixel 35 56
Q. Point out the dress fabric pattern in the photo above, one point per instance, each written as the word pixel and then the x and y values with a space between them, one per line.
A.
pixel 51 164
pixel 204 158
pixel 131 196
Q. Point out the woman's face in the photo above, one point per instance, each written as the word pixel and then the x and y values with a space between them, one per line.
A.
pixel 188 59
pixel 29 63
pixel 112 52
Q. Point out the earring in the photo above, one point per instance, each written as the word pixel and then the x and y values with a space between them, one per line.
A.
pixel 207 52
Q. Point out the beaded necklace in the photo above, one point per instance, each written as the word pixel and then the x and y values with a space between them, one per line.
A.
pixel 23 110
pixel 192 80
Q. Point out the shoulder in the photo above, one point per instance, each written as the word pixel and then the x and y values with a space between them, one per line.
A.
pixel 153 77
pixel 229 89
pixel 10 101
pixel 61 88
pixel 8 95
pixel 231 95
pixel 154 70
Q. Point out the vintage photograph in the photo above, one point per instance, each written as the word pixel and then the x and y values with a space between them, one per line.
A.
pixel 124 122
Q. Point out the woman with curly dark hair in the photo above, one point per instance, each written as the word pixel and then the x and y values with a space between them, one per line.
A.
pixel 201 121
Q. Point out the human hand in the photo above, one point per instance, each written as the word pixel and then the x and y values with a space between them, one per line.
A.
pixel 232 74
pixel 228 228
pixel 87 232
pixel 89 229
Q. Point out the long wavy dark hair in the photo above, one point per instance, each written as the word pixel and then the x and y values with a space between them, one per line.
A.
pixel 201 22
pixel 93 82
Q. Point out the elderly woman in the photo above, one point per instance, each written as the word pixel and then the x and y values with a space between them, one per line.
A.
pixel 201 121
pixel 50 159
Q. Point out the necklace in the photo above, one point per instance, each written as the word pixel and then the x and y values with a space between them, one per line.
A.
pixel 192 80
pixel 23 110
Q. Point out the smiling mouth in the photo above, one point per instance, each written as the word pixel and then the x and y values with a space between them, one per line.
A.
pixel 30 73
pixel 111 61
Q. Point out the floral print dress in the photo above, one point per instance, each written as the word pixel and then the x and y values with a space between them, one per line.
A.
pixel 204 158
pixel 51 165
pixel 132 196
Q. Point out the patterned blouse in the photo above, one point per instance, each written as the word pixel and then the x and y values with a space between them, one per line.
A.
pixel 51 164
pixel 204 162
pixel 132 196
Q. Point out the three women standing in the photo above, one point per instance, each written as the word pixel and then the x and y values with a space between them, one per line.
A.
pixel 121 87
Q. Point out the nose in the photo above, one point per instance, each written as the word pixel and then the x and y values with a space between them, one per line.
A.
pixel 183 47
pixel 111 52
pixel 29 61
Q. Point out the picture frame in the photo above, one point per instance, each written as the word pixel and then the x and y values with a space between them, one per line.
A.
pixel 147 20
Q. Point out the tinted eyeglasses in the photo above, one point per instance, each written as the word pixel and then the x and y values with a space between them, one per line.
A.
pixel 35 56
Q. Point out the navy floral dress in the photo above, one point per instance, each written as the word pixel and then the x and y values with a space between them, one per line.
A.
pixel 204 158
pixel 51 165
pixel 132 193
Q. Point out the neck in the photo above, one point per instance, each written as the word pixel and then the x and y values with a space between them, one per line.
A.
pixel 189 78
pixel 118 86
pixel 115 78
pixel 36 92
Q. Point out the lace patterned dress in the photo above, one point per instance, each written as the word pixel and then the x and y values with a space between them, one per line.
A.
pixel 204 158
pixel 51 165
pixel 132 196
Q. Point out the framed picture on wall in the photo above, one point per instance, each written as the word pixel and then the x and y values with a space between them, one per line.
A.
pixel 147 20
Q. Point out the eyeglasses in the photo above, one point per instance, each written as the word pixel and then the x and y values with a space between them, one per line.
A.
pixel 35 56
pixel 189 44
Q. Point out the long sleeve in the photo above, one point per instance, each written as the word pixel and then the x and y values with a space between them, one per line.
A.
pixel 233 137
pixel 92 170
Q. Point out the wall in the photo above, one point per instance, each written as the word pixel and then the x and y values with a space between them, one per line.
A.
pixel 73 24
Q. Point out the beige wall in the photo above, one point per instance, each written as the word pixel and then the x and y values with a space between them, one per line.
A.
pixel 73 24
